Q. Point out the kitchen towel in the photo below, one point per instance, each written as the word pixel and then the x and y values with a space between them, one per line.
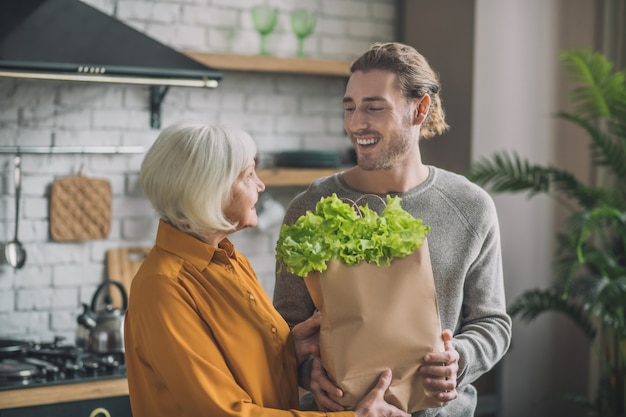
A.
pixel 80 208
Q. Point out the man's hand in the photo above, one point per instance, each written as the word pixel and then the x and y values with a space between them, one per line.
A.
pixel 440 370
pixel 323 389
pixel 306 338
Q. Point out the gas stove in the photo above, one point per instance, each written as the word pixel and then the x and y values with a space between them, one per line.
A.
pixel 37 365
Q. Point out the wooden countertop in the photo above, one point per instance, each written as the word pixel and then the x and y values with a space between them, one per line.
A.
pixel 24 397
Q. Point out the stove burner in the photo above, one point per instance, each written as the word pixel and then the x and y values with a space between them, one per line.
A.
pixel 45 364
pixel 13 372
pixel 10 347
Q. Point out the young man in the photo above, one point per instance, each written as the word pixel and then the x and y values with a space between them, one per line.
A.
pixel 390 103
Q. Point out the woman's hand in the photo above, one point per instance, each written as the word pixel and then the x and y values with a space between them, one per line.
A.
pixel 440 370
pixel 374 404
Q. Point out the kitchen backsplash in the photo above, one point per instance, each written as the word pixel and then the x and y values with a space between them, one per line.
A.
pixel 282 112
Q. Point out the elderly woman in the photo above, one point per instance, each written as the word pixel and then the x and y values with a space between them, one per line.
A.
pixel 201 336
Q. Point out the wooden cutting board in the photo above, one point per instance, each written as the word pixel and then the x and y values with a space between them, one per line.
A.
pixel 122 265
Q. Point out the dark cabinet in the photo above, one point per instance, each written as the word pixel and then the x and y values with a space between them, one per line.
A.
pixel 101 407
pixel 443 31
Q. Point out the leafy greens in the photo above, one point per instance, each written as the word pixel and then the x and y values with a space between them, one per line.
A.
pixel 338 231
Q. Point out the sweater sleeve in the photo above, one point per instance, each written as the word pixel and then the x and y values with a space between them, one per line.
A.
pixel 291 297
pixel 484 330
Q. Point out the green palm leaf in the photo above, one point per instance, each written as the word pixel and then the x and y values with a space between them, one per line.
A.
pixel 504 172
pixel 603 223
pixel 509 173
pixel 532 303
pixel 606 151
pixel 590 274
pixel 610 302
pixel 600 92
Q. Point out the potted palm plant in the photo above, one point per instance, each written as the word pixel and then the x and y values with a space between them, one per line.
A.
pixel 590 282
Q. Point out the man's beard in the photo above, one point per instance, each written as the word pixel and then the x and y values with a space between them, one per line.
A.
pixel 400 146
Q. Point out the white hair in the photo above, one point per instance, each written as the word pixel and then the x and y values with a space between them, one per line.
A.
pixel 188 173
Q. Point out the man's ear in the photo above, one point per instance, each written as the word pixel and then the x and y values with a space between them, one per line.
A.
pixel 421 110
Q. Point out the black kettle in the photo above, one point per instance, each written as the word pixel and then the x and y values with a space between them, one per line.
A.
pixel 102 330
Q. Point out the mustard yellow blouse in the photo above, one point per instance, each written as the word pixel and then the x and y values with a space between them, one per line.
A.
pixel 203 339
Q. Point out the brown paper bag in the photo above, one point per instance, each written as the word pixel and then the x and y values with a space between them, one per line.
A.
pixel 375 318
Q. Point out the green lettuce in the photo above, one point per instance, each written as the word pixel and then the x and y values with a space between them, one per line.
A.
pixel 338 231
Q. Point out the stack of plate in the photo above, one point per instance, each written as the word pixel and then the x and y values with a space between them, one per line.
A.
pixel 308 159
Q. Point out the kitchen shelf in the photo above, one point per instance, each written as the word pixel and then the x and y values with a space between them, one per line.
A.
pixel 261 63
pixel 279 177
pixel 293 177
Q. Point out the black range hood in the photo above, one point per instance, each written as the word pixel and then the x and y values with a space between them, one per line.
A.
pixel 69 40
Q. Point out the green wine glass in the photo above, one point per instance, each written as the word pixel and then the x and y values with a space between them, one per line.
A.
pixel 302 25
pixel 264 19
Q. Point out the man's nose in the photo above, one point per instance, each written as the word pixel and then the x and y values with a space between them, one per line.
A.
pixel 356 121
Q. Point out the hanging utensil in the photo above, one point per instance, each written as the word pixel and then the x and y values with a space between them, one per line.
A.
pixel 14 252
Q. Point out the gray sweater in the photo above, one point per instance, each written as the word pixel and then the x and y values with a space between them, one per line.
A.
pixel 464 243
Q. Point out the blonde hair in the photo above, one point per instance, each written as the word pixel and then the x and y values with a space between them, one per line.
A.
pixel 415 75
pixel 188 173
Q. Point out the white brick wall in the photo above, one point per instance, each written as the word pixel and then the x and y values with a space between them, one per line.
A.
pixel 282 112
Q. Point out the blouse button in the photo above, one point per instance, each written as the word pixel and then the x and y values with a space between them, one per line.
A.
pixel 251 297
pixel 274 329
